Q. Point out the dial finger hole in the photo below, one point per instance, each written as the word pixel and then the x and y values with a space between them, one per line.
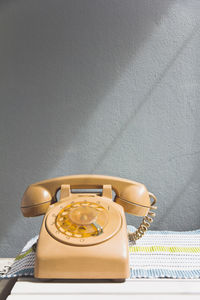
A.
pixel 82 228
pixel 73 228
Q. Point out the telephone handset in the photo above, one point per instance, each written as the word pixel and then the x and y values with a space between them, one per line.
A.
pixel 84 235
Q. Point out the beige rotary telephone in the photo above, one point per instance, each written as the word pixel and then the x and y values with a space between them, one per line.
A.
pixel 84 235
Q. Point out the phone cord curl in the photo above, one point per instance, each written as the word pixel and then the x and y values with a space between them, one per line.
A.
pixel 146 222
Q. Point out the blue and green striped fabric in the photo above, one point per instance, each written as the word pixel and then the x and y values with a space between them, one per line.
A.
pixel 158 254
pixel 166 254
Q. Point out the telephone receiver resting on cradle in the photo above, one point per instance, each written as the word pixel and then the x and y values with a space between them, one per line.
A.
pixel 133 196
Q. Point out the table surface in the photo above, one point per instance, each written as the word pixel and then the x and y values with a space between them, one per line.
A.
pixel 140 289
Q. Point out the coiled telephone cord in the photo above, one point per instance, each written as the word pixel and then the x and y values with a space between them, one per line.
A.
pixel 146 222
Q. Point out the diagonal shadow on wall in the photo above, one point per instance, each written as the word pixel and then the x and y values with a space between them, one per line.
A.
pixel 58 61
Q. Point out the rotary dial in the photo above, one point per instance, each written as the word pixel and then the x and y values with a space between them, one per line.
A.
pixel 82 219
pixel 85 221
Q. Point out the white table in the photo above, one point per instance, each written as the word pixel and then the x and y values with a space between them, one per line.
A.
pixel 138 289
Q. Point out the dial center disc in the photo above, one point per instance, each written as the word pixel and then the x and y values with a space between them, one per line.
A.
pixel 83 215
pixel 82 219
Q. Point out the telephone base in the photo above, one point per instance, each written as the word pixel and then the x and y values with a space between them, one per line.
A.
pixel 106 260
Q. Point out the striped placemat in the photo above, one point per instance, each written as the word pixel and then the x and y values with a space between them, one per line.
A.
pixel 158 254
pixel 166 254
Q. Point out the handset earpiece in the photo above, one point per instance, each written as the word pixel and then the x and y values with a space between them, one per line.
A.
pixel 135 199
pixel 35 201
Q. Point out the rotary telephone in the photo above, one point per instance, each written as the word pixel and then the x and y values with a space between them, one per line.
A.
pixel 84 235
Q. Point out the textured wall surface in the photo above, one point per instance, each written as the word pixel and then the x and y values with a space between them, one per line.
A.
pixel 98 86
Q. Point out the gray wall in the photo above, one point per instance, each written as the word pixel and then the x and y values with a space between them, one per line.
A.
pixel 106 87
